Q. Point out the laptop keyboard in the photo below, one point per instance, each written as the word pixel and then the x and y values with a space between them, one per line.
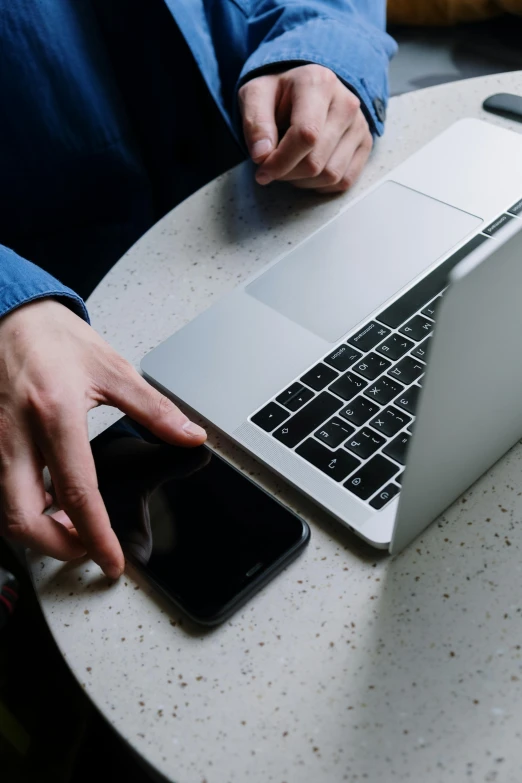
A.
pixel 351 415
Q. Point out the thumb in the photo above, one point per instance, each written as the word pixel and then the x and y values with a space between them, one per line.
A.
pixel 257 102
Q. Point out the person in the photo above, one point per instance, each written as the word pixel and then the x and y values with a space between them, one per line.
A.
pixel 113 112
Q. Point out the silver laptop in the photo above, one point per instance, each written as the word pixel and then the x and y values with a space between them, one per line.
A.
pixel 377 365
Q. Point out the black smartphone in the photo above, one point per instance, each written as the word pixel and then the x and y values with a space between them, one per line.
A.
pixel 505 104
pixel 201 531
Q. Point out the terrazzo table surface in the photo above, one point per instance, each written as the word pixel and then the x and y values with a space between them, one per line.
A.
pixel 350 666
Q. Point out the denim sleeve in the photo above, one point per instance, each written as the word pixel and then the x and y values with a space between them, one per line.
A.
pixel 347 36
pixel 22 282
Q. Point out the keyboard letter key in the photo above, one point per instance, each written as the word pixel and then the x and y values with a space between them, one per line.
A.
pixel 348 386
pixel 388 422
pixel 359 411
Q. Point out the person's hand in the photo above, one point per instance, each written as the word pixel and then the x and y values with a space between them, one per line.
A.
pixel 305 127
pixel 53 369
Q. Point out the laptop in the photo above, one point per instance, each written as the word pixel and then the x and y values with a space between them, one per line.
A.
pixel 376 366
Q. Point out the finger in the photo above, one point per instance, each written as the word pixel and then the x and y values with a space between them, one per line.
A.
pixel 48 536
pixel 61 517
pixel 352 173
pixel 63 440
pixel 23 500
pixel 344 116
pixel 257 102
pixel 338 163
pixel 310 105
pixel 131 393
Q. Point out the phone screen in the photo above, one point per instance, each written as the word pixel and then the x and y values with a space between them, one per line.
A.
pixel 202 531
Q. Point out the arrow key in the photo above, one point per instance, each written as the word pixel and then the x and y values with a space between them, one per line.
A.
pixel 295 396
pixel 384 496
pixel 336 464
pixel 270 417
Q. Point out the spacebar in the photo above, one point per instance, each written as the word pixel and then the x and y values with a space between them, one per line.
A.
pixel 307 419
pixel 427 288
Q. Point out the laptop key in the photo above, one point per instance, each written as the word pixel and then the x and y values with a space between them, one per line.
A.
pixel 334 432
pixel 384 390
pixel 295 397
pixel 269 417
pixel 431 309
pixel 516 209
pixel 395 347
pixel 408 370
pixel 343 357
pixel 417 328
pixel 307 419
pixel 421 351
pixel 497 224
pixel 371 366
pixel 408 399
pixel 390 421
pixel 368 479
pixel 365 443
pixel 398 447
pixel 348 386
pixel 384 496
pixel 359 411
pixel 336 464
pixel 368 337
pixel 319 377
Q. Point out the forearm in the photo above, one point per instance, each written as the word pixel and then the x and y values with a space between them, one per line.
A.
pixel 22 282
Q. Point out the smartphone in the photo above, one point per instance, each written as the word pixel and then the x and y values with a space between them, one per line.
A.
pixel 505 104
pixel 201 531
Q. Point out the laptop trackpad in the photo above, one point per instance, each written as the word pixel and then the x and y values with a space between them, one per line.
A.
pixel 353 265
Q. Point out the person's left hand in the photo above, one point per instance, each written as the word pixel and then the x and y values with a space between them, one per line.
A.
pixel 305 127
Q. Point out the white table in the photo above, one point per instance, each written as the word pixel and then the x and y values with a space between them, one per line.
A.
pixel 351 666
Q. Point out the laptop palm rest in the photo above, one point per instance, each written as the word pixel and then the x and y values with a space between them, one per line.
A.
pixel 337 277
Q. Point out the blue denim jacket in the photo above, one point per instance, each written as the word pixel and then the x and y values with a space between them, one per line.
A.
pixel 74 179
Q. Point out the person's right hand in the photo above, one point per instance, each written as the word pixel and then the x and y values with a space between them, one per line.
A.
pixel 54 368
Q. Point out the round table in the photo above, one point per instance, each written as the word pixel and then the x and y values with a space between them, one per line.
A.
pixel 351 665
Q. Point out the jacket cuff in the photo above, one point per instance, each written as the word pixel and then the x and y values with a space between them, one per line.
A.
pixel 22 281
pixel 366 73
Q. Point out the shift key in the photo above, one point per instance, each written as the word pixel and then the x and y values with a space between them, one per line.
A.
pixel 308 419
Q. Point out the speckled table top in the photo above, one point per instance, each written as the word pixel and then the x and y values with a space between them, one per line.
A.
pixel 352 665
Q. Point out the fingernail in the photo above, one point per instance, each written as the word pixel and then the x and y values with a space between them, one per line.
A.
pixel 112 571
pixel 261 147
pixel 263 179
pixel 194 430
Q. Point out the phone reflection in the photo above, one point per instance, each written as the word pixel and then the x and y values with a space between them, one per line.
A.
pixel 131 468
